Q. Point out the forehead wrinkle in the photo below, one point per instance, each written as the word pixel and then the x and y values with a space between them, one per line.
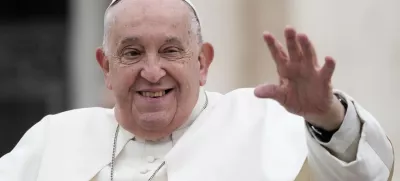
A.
pixel 137 9
pixel 163 19
pixel 169 32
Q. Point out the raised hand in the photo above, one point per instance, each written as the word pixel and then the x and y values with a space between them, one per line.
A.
pixel 305 87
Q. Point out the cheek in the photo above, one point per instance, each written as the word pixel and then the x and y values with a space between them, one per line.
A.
pixel 193 77
pixel 123 78
pixel 186 73
pixel 195 72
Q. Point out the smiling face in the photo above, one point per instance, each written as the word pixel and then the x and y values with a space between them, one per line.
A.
pixel 154 64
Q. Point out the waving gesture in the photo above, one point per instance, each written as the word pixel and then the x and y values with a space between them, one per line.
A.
pixel 305 87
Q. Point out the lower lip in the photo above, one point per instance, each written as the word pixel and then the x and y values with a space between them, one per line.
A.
pixel 157 99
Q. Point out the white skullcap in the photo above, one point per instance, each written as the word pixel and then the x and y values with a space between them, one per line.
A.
pixel 113 2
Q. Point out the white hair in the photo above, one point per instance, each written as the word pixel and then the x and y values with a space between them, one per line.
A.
pixel 109 20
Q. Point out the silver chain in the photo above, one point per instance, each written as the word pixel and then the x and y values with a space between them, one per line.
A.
pixel 113 153
pixel 115 150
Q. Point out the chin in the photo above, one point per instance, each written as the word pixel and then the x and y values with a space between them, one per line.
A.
pixel 154 124
pixel 154 136
pixel 154 132
pixel 157 126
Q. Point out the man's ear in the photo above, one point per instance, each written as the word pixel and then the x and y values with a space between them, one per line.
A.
pixel 102 60
pixel 205 58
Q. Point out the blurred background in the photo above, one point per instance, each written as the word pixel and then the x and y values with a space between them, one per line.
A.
pixel 47 53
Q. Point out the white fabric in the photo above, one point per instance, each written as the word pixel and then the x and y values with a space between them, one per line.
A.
pixel 344 143
pixel 187 1
pixel 140 158
pixel 137 162
pixel 238 137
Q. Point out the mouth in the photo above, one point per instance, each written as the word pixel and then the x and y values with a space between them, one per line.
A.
pixel 156 94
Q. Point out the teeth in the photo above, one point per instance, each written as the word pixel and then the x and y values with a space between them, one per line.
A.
pixel 153 94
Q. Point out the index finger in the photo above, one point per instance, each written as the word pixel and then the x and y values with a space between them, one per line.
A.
pixel 276 49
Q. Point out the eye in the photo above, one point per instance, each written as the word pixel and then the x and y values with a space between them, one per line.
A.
pixel 171 50
pixel 131 53
pixel 130 56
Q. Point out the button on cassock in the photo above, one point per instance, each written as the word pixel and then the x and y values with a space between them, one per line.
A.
pixel 144 171
pixel 151 159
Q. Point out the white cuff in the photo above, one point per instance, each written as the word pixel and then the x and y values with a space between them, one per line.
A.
pixel 348 133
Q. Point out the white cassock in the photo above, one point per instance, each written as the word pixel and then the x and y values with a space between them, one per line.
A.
pixel 237 137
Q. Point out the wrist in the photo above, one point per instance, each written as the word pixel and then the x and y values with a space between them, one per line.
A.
pixel 333 119
pixel 325 134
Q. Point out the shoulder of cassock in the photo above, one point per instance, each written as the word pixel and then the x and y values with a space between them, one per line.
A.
pixel 72 138
pixel 243 134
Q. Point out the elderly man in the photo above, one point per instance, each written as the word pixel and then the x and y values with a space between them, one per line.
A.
pixel 164 126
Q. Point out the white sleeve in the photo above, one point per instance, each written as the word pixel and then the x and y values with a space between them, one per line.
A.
pixel 343 144
pixel 23 162
pixel 359 151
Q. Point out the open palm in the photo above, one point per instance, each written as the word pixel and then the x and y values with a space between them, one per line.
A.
pixel 305 87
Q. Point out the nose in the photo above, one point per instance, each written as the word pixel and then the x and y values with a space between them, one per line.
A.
pixel 153 72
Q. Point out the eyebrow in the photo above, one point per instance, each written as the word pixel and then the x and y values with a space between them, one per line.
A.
pixel 136 40
pixel 130 40
pixel 173 40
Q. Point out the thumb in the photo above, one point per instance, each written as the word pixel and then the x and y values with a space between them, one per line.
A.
pixel 267 91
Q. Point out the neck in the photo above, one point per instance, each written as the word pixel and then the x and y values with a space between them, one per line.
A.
pixel 201 104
